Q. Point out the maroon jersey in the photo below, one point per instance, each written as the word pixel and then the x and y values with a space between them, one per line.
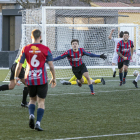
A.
pixel 124 49
pixel 75 58
pixel 36 55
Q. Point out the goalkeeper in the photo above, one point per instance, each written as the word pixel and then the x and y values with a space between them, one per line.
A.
pixel 73 81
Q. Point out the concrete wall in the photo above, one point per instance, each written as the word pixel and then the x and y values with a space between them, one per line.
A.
pixel 7 58
pixel 18 31
pixel 11 31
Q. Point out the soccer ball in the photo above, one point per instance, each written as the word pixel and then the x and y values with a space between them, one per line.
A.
pixel 135 73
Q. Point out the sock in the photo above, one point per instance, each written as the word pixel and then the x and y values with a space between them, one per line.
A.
pixel 137 78
pixel 25 93
pixel 97 81
pixel 121 76
pixel 31 109
pixel 113 68
pixel 91 88
pixel 4 87
pixel 73 82
pixel 31 115
pixel 125 73
pixel 38 123
pixel 40 113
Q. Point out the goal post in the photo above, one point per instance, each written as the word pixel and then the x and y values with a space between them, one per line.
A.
pixel 91 26
pixel 95 43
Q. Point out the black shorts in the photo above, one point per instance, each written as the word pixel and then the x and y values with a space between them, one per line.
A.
pixel 125 62
pixel 13 68
pixel 78 71
pixel 39 90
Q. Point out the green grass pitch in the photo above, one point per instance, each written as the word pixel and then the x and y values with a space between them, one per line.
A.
pixel 72 113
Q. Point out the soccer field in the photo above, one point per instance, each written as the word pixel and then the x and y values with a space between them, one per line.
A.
pixel 73 113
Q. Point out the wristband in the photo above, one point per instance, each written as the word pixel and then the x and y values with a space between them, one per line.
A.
pixel 16 78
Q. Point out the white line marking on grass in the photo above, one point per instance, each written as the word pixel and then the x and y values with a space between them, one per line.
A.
pixel 8 105
pixel 73 93
pixel 117 90
pixel 119 80
pixel 10 95
pixel 97 136
pixel 67 93
pixel 89 92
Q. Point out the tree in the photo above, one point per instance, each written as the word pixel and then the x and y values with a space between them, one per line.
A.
pixel 49 2
pixel 28 5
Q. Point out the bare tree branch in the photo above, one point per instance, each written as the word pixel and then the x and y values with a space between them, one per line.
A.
pixel 28 5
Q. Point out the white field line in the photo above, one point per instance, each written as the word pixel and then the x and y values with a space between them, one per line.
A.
pixel 10 95
pixel 9 105
pixel 119 80
pixel 73 93
pixel 109 135
pixel 97 136
pixel 89 92
pixel 93 78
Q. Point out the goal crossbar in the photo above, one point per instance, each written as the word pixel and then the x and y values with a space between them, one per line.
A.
pixel 92 67
pixel 91 8
pixel 84 25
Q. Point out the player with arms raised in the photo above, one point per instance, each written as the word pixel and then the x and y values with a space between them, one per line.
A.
pixel 115 55
pixel 125 52
pixel 74 56
pixel 36 76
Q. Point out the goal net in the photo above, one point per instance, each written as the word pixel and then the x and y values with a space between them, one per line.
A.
pixel 91 26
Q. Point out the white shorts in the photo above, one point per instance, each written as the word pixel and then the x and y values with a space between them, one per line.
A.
pixel 115 58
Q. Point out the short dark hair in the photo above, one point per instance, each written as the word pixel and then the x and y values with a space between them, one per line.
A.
pixel 36 33
pixel 121 34
pixel 74 40
pixel 126 32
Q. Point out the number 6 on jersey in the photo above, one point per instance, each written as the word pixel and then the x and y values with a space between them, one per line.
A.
pixel 34 61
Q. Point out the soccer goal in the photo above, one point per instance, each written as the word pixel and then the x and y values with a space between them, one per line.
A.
pixel 91 26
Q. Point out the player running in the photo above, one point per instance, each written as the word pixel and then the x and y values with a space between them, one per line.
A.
pixel 115 55
pixel 125 52
pixel 12 84
pixel 36 76
pixel 79 69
